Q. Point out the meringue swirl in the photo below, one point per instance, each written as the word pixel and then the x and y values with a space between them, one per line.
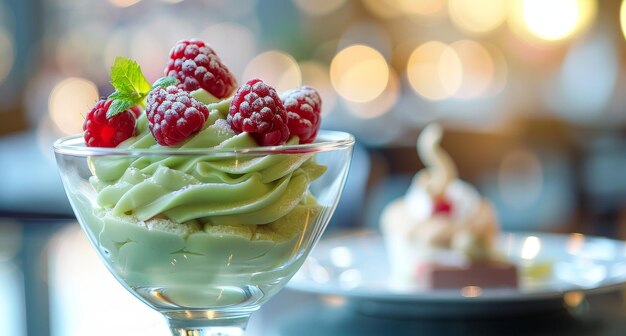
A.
pixel 440 168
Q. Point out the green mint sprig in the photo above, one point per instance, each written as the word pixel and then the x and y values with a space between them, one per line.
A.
pixel 131 86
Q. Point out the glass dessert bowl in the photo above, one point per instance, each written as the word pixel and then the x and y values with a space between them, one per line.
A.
pixel 205 236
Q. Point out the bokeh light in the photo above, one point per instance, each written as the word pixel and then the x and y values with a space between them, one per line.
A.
pixel 316 74
pixel 123 3
pixel 275 68
pixel 319 7
pixel 622 17
pixel 419 7
pixel 477 16
pixel 530 248
pixel 478 69
pixel 367 33
pixel 388 9
pixel 575 243
pixel 537 20
pixel 6 54
pixel 381 104
pixel 382 8
pixel 434 70
pixel 359 73
pixel 551 20
pixel 69 102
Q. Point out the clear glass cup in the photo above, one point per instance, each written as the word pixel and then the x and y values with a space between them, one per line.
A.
pixel 205 236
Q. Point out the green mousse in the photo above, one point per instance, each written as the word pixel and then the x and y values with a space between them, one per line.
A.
pixel 194 223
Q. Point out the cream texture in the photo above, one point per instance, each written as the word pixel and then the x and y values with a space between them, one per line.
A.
pixel 189 223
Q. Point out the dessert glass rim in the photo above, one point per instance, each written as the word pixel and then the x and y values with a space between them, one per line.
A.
pixel 326 141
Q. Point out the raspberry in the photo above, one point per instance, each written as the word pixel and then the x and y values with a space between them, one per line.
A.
pixel 196 66
pixel 303 107
pixel 101 131
pixel 136 110
pixel 441 206
pixel 257 109
pixel 173 115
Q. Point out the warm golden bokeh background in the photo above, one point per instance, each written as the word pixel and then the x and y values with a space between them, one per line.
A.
pixel 530 91
pixel 480 64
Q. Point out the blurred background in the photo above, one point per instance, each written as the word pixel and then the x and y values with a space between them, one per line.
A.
pixel 532 95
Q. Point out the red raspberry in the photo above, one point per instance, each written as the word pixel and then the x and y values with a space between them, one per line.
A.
pixel 101 131
pixel 441 206
pixel 173 115
pixel 257 109
pixel 136 110
pixel 196 66
pixel 303 106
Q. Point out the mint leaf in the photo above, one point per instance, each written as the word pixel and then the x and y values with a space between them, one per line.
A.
pixel 132 96
pixel 165 82
pixel 131 86
pixel 119 106
pixel 126 77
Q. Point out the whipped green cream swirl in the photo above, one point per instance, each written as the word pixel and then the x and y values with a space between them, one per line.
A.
pixel 210 189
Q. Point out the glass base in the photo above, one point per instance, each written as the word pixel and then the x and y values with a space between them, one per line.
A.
pixel 200 298
pixel 210 331
pixel 207 323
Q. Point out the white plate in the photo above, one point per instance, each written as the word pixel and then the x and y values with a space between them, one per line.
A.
pixel 553 267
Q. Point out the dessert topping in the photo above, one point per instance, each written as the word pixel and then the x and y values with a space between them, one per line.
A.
pixel 103 131
pixel 173 114
pixel 131 87
pixel 442 206
pixel 257 109
pixel 197 66
pixel 303 107
pixel 111 121
pixel 434 185
pixel 440 168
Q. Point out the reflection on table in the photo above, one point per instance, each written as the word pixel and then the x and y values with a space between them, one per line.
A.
pixel 329 316
pixel 12 318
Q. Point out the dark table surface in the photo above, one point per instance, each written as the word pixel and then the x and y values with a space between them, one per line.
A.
pixel 293 313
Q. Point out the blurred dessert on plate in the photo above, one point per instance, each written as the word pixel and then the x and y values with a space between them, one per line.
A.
pixel 441 234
